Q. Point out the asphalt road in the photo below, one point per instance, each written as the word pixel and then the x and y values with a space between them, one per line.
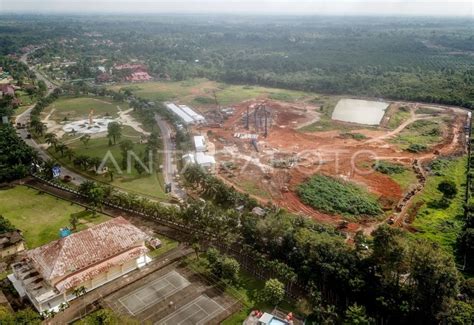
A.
pixel 170 168
pixel 24 118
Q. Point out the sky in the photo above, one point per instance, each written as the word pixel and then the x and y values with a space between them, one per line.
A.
pixel 312 7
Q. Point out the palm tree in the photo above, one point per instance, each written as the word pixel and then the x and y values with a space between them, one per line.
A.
pixel 61 147
pixel 69 153
pixel 73 220
pixel 37 126
pixel 85 139
pixel 114 130
pixel 110 173
pixel 48 168
pixel 95 162
pixel 51 139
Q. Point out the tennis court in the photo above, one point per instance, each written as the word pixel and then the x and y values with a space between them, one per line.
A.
pixel 154 292
pixel 199 311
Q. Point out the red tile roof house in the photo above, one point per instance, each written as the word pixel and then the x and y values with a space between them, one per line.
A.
pixel 7 90
pixel 138 76
pixel 90 258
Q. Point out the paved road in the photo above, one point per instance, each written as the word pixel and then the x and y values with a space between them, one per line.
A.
pixel 24 118
pixel 169 167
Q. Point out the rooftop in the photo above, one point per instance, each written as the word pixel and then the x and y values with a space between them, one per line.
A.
pixel 10 238
pixel 85 248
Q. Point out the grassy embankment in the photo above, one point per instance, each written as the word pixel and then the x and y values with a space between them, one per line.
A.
pixel 442 225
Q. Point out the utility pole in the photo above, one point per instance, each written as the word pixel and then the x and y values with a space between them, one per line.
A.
pixel 265 112
pixel 247 126
pixel 255 118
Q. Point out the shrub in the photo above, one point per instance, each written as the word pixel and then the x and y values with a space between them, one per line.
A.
pixel 336 196
pixel 204 100
pixel 355 136
pixel 417 147
pixel 388 168
pixel 273 292
pixel 448 188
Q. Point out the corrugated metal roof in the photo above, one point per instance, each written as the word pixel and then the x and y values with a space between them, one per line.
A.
pixel 178 111
pixel 197 117
pixel 85 248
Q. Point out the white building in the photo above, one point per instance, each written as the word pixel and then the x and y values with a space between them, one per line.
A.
pixel 198 118
pixel 204 160
pixel 180 113
pixel 50 274
pixel 200 143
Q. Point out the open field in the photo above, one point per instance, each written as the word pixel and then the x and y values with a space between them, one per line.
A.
pixel 40 216
pixel 200 92
pixel 74 108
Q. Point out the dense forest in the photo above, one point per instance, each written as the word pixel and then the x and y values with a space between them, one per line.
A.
pixel 425 59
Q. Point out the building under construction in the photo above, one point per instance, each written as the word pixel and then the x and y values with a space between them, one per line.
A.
pixel 258 118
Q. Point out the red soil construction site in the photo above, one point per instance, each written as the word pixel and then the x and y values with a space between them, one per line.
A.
pixel 250 165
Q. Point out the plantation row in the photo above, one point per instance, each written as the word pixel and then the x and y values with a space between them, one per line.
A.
pixel 466 240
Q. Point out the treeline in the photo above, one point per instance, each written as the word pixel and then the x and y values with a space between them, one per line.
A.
pixel 466 239
pixel 409 59
pixel 16 157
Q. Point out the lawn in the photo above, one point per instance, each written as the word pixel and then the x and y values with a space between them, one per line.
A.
pixel 40 216
pixel 167 244
pixel 200 92
pixel 145 184
pixel 74 108
pixel 442 225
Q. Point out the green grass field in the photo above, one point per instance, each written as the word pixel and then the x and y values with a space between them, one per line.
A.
pixel 145 184
pixel 40 216
pixel 442 225
pixel 167 244
pixel 423 132
pixel 74 108
pixel 200 92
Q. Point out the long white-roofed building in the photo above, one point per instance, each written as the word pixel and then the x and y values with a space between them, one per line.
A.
pixel 198 118
pixel 180 113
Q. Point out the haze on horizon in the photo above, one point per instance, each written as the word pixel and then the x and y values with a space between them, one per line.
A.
pixel 278 7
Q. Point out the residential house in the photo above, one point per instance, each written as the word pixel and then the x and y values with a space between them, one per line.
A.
pixel 11 243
